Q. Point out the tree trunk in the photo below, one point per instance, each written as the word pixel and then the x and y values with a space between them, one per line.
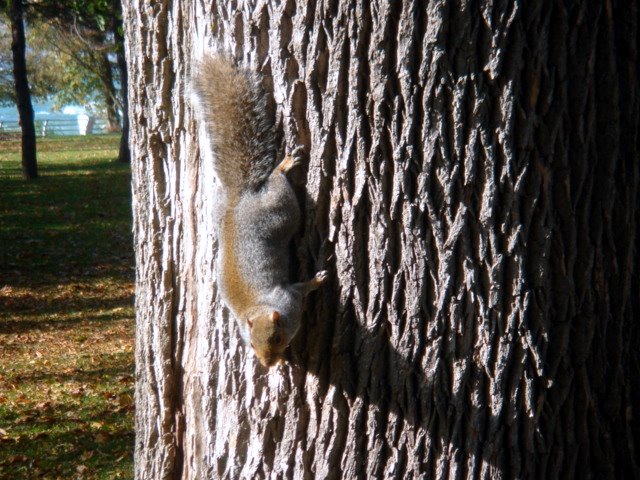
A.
pixel 110 93
pixel 23 95
pixel 124 154
pixel 472 186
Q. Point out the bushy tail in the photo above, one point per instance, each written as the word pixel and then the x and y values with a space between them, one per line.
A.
pixel 240 127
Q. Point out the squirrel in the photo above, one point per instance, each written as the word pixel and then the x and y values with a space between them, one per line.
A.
pixel 259 212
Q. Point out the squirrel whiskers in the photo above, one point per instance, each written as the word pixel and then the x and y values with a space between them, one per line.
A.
pixel 259 212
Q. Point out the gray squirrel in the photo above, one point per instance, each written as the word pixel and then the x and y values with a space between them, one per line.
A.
pixel 259 212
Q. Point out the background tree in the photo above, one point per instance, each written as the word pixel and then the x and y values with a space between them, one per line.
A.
pixel 42 83
pixel 83 69
pixel 23 95
pixel 117 28
pixel 472 185
pixel 78 50
pixel 87 37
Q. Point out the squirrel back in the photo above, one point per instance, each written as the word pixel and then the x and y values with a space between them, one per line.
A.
pixel 238 122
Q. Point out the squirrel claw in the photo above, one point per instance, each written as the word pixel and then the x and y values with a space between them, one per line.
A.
pixel 289 162
pixel 296 151
pixel 321 277
pixel 316 282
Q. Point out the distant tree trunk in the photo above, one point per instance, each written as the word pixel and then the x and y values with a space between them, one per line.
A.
pixel 23 95
pixel 124 155
pixel 109 93
pixel 472 185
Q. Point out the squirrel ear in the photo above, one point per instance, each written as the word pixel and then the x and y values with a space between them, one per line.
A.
pixel 275 317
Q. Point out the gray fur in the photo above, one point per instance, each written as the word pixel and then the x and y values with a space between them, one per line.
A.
pixel 271 215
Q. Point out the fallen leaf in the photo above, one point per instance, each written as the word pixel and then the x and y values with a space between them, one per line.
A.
pixel 125 399
pixel 87 455
pixel 126 379
pixel 102 437
pixel 24 419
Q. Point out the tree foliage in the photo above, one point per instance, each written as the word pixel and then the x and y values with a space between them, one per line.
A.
pixel 74 69
pixel 74 46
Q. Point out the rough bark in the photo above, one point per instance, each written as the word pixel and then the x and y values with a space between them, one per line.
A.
pixel 472 185
pixel 23 94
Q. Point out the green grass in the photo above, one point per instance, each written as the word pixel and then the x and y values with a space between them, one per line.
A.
pixel 66 312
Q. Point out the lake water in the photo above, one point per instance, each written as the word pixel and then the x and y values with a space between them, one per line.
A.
pixel 63 122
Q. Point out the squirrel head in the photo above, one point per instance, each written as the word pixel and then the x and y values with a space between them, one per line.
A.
pixel 268 338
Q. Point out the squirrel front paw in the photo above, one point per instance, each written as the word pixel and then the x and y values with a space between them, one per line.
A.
pixel 316 282
pixel 321 277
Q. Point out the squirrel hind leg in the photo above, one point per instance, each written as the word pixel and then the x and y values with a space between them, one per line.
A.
pixel 288 164
pixel 291 160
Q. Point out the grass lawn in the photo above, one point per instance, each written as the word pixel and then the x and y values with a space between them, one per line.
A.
pixel 66 312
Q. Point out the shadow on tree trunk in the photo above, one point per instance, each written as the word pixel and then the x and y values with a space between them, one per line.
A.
pixel 472 186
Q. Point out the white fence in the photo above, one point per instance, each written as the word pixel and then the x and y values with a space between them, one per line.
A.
pixel 74 125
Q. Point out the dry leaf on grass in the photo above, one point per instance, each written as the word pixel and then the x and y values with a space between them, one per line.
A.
pixel 102 437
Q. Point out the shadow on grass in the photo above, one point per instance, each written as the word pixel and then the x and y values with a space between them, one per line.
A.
pixel 89 306
pixel 85 376
pixel 76 217
pixel 21 326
